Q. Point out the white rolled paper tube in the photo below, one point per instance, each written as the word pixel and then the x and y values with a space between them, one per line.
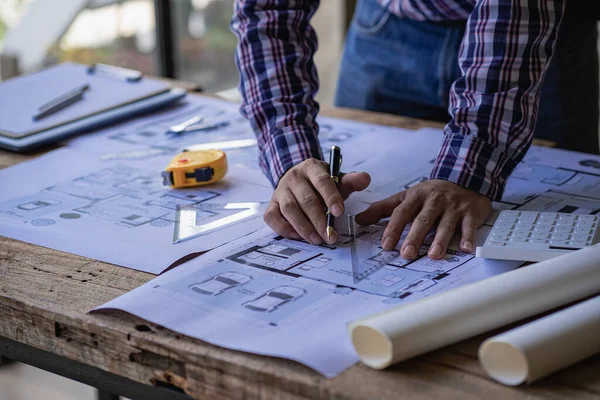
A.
pixel 407 331
pixel 541 347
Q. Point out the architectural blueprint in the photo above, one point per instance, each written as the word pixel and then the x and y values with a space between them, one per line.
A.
pixel 102 197
pixel 280 291
pixel 120 212
pixel 293 299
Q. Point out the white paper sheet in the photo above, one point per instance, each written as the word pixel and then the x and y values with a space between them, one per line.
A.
pixel 292 299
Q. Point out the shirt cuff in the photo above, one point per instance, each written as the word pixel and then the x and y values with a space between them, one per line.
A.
pixel 285 148
pixel 473 163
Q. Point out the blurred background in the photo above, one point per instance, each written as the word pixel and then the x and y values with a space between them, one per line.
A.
pixel 184 39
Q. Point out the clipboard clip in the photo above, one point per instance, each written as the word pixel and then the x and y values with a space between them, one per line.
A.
pixel 125 74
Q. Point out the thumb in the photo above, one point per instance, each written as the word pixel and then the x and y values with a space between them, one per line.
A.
pixel 354 182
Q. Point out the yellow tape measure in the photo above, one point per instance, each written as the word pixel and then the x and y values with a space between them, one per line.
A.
pixel 195 168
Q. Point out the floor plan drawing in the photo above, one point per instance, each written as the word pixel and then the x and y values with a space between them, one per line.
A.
pixel 281 291
pixel 372 270
pixel 115 211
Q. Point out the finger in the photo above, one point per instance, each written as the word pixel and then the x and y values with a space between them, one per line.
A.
pixel 312 207
pixel 468 228
pixel 380 209
pixel 419 229
pixel 443 236
pixel 353 182
pixel 325 186
pixel 292 212
pixel 275 220
pixel 400 217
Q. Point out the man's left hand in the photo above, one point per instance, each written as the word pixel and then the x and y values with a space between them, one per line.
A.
pixel 435 201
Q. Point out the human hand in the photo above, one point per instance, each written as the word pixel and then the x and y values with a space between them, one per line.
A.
pixel 428 202
pixel 297 209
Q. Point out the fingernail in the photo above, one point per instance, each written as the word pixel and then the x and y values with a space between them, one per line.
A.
pixel 337 210
pixel 315 239
pixel 388 244
pixel 435 251
pixel 468 246
pixel 409 251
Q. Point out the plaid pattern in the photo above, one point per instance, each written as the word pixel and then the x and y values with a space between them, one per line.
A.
pixel 506 50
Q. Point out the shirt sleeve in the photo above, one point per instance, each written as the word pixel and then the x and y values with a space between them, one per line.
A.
pixel 278 79
pixel 505 53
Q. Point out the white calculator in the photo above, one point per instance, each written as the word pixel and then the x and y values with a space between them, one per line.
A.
pixel 538 236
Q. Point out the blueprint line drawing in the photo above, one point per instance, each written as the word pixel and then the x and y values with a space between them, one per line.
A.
pixel 275 298
pixel 218 284
pixel 368 267
pixel 117 211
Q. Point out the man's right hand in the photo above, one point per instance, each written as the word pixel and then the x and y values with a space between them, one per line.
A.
pixel 296 208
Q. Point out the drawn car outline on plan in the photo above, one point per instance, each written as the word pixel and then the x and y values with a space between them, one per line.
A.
pixel 273 299
pixel 220 283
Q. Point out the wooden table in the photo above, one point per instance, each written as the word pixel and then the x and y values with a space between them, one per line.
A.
pixel 45 296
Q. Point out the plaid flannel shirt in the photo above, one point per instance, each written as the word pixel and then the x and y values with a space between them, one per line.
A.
pixel 506 50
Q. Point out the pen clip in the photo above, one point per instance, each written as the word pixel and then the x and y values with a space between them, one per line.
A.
pixel 125 74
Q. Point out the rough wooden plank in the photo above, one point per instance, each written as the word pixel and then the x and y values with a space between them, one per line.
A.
pixel 45 294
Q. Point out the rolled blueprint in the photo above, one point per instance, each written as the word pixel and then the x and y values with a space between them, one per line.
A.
pixel 541 347
pixel 416 328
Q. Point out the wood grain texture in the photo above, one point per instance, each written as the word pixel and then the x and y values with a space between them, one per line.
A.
pixel 45 296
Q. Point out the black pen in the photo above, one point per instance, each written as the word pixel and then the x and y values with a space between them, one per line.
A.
pixel 62 101
pixel 335 166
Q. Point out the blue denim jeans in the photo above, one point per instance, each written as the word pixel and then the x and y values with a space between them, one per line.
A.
pixel 406 67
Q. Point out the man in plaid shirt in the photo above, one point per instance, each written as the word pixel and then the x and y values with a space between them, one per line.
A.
pixel 485 62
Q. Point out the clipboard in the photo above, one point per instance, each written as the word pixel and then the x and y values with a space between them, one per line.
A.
pixel 115 115
pixel 21 97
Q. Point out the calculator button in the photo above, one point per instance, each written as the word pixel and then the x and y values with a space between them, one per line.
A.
pixel 518 239
pixel 544 225
pixel 524 227
pixel 563 222
pixel 589 218
pixel 563 228
pixel 507 220
pixel 541 235
pixel 580 237
pixel 549 216
pixel 583 231
pixel 560 236
pixel 578 243
pixel 555 242
pixel 505 225
pixel 584 224
pixel 494 243
pixel 568 216
pixel 536 240
pixel 528 218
